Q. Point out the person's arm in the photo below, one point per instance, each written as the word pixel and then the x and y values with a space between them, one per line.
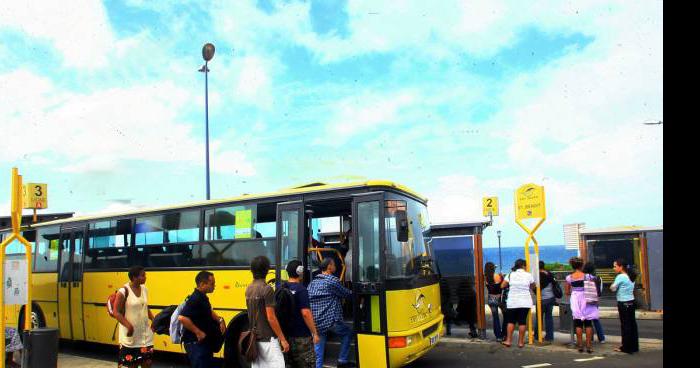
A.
pixel 309 320
pixel 220 320
pixel 504 283
pixel 567 288
pixel 615 284
pixel 121 301
pixel 190 326
pixel 341 291
pixel 275 325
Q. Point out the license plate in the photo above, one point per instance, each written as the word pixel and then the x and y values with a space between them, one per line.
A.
pixel 433 340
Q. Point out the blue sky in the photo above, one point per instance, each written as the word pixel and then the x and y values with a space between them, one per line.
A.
pixel 457 100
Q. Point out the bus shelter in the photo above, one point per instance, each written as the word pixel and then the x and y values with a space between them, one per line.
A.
pixel 459 257
pixel 640 246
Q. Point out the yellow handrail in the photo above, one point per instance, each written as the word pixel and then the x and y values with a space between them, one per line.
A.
pixel 340 257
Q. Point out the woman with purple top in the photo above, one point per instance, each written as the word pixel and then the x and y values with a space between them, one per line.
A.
pixel 583 313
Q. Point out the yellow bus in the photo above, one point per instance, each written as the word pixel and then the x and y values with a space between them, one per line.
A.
pixel 375 229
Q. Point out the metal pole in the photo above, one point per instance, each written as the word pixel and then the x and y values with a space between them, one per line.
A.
pixel 206 117
pixel 500 260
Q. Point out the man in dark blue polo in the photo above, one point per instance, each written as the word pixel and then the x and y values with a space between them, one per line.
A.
pixel 199 321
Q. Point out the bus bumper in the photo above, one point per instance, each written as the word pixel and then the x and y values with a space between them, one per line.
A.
pixel 422 341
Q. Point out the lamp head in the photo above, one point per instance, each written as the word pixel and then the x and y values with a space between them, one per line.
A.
pixel 208 52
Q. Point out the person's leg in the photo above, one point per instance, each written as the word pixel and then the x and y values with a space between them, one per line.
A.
pixel 623 324
pixel 589 336
pixel 579 333
pixel 521 334
pixel 599 330
pixel 319 350
pixel 198 355
pixel 549 320
pixel 345 333
pixel 633 332
pixel 504 326
pixel 496 322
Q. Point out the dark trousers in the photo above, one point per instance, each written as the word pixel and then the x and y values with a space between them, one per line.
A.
pixel 200 355
pixel 498 329
pixel 628 324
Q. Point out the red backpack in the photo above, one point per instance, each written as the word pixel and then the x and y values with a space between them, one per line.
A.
pixel 112 302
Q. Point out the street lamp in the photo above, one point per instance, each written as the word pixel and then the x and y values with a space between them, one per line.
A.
pixel 207 54
pixel 500 261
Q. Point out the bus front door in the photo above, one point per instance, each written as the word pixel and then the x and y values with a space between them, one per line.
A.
pixel 290 222
pixel 369 299
pixel 70 285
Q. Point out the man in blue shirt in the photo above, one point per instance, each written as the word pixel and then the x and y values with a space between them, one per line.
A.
pixel 302 332
pixel 326 294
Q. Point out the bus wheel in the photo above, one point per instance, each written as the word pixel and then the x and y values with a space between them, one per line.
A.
pixel 232 357
pixel 37 318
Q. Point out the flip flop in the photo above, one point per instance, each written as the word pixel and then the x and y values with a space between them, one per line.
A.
pixel 619 350
pixel 506 345
pixel 521 346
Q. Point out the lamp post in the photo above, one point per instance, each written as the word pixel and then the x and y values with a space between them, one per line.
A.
pixel 500 261
pixel 207 54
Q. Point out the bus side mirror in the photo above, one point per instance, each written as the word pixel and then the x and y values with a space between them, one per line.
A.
pixel 401 226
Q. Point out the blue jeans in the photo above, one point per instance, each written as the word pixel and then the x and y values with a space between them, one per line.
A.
pixel 599 330
pixel 200 355
pixel 548 318
pixel 497 327
pixel 345 333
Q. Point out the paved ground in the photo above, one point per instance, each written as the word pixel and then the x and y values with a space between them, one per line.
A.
pixel 450 352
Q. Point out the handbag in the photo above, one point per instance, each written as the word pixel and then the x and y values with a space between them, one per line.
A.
pixel 247 342
pixel 556 289
pixel 504 291
pixel 590 290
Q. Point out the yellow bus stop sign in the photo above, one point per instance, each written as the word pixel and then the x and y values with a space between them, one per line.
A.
pixel 490 206
pixel 529 202
pixel 35 196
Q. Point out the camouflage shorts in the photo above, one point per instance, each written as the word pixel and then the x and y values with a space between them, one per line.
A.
pixel 301 352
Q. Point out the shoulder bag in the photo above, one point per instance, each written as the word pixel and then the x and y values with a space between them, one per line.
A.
pixel 247 342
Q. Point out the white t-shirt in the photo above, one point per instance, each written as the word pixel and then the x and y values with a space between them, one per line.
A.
pixel 136 312
pixel 519 294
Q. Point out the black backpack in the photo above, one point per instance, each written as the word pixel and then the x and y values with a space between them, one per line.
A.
pixel 161 322
pixel 556 289
pixel 285 307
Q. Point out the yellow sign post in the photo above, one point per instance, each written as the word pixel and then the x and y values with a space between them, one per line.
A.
pixel 35 196
pixel 16 218
pixel 530 204
pixel 490 206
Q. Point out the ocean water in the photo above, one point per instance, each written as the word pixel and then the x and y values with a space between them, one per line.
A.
pixel 548 254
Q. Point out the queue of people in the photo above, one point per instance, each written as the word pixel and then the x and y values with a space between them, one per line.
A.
pixel 511 295
pixel 317 313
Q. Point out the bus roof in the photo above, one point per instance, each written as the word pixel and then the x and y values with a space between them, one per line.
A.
pixel 302 189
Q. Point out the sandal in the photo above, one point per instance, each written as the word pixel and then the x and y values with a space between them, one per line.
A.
pixel 618 350
pixel 580 349
pixel 521 346
pixel 589 350
pixel 506 345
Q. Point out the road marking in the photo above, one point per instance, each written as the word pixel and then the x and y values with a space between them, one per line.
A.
pixel 537 365
pixel 589 359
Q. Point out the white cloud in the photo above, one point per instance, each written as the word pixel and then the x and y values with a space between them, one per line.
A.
pixel 79 30
pixel 99 131
pixel 365 112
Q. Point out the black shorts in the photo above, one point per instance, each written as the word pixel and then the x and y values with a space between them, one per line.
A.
pixel 130 357
pixel 583 323
pixel 517 315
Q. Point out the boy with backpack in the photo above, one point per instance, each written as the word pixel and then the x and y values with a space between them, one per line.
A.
pixel 296 319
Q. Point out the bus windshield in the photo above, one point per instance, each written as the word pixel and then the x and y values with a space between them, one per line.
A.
pixel 413 257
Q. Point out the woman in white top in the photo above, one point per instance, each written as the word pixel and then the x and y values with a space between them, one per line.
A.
pixel 519 301
pixel 135 334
